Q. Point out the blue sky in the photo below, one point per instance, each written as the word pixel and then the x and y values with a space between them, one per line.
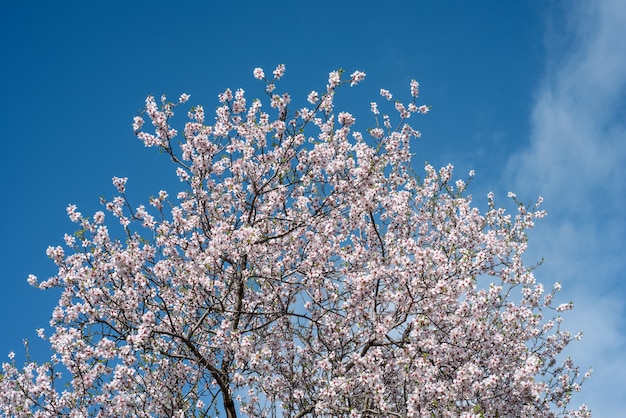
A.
pixel 530 94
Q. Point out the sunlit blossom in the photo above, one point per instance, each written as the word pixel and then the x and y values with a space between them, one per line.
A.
pixel 304 268
pixel 258 73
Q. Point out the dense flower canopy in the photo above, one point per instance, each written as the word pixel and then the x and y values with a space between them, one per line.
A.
pixel 304 269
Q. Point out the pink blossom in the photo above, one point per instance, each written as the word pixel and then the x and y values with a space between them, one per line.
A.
pixel 137 123
pixel 334 78
pixel 386 94
pixel 32 280
pixel 120 183
pixel 258 73
pixel 313 97
pixel 346 119
pixel 414 88
pixel 279 71
pixel 73 214
pixel 302 269
pixel 356 77
pixel 374 108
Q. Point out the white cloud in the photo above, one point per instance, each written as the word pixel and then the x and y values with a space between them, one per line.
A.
pixel 576 159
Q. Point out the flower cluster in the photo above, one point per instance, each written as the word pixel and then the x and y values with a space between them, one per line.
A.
pixel 302 270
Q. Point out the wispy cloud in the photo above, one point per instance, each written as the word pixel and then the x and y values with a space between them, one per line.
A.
pixel 576 159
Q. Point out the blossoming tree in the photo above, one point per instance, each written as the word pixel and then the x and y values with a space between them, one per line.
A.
pixel 304 270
